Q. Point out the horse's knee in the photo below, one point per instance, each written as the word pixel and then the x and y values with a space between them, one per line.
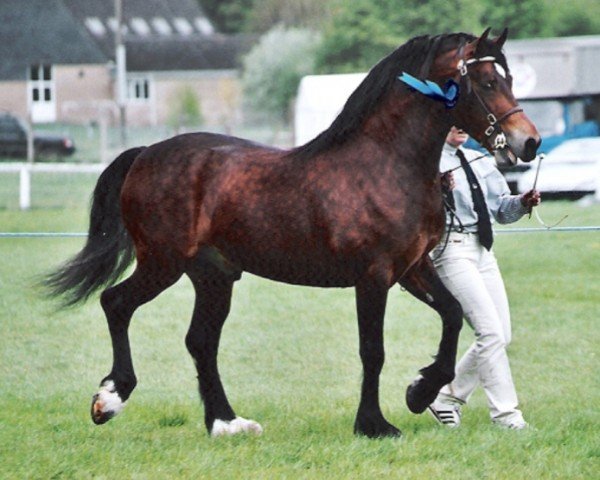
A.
pixel 373 358
pixel 452 315
pixel 193 343
pixel 200 347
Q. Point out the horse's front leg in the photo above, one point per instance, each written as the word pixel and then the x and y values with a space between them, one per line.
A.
pixel 423 282
pixel 371 299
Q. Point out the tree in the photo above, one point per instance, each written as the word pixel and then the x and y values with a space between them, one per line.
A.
pixel 235 16
pixel 228 16
pixel 357 36
pixel 274 67
pixel 362 32
pixel 185 109
pixel 522 17
pixel 266 14
pixel 574 18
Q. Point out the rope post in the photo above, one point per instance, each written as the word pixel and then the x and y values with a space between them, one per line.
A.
pixel 104 159
pixel 25 188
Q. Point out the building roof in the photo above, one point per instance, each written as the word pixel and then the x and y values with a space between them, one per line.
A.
pixel 159 35
pixel 27 37
pixel 166 54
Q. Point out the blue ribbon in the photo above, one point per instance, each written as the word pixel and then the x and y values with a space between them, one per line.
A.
pixel 449 94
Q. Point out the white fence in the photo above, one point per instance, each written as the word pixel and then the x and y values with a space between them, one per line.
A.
pixel 25 169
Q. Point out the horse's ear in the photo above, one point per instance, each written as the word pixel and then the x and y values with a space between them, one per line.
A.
pixel 485 34
pixel 482 38
pixel 502 38
pixel 475 43
pixel 466 49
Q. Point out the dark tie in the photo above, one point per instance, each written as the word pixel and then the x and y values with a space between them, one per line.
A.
pixel 484 226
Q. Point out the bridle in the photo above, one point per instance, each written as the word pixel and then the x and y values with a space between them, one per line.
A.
pixel 495 127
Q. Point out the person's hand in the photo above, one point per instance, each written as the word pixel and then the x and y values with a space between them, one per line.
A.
pixel 531 199
pixel 447 181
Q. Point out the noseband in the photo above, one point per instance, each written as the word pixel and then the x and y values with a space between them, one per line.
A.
pixel 499 141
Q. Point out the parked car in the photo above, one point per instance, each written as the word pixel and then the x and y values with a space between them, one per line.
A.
pixel 13 140
pixel 571 169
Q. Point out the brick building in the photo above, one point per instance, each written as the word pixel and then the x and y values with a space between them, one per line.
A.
pixel 58 61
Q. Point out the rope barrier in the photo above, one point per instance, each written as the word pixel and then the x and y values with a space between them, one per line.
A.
pixel 40 234
pixel 544 229
pixel 595 228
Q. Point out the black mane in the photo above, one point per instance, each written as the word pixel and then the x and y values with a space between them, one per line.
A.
pixel 414 57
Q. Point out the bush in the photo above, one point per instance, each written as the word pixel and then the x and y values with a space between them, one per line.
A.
pixel 274 67
pixel 186 111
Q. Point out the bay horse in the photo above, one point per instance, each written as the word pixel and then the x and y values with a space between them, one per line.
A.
pixel 358 206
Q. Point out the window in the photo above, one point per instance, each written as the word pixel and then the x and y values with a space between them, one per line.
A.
pixel 40 82
pixel 10 128
pixel 204 26
pixel 94 25
pixel 138 89
pixel 161 26
pixel 140 26
pixel 183 26
pixel 41 94
pixel 112 23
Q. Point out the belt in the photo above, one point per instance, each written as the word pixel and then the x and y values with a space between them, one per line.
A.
pixel 461 237
pixel 457 232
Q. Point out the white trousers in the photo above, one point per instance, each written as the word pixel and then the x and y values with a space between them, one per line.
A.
pixel 472 275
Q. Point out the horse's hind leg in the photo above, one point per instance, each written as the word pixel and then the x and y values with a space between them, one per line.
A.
pixel 119 303
pixel 423 282
pixel 213 300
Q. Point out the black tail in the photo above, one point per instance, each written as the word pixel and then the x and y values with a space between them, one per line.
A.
pixel 108 250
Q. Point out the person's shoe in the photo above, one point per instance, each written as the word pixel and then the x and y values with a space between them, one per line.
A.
pixel 514 422
pixel 518 424
pixel 445 413
pixel 522 425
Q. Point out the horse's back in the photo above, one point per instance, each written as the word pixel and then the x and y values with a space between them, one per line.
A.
pixel 174 186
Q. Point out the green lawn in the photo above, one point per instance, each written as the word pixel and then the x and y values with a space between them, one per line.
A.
pixel 289 360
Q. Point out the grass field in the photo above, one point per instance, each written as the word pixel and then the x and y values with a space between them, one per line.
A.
pixel 289 360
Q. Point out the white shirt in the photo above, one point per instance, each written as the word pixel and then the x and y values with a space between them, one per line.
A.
pixel 503 207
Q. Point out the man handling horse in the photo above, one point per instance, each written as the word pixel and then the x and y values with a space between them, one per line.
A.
pixel 475 193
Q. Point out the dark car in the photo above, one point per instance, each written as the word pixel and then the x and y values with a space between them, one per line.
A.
pixel 13 140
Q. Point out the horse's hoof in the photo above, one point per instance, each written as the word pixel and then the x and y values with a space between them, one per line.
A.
pixel 236 426
pixel 106 403
pixel 376 429
pixel 389 431
pixel 420 394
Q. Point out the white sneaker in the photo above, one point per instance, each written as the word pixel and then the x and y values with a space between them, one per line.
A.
pixel 517 424
pixel 445 413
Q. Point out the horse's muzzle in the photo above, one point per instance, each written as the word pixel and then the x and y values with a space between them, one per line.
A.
pixel 531 147
pixel 508 155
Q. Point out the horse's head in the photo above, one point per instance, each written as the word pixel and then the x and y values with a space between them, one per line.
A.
pixel 487 108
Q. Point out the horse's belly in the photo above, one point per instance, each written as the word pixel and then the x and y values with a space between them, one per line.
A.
pixel 329 278
pixel 302 270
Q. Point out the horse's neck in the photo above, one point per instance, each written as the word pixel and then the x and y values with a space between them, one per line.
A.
pixel 412 130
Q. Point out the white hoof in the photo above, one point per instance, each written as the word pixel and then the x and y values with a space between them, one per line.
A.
pixel 106 403
pixel 235 426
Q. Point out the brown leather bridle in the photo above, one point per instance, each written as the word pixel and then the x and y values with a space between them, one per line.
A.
pixel 495 127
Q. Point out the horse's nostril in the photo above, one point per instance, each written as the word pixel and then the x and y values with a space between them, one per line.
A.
pixel 531 146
